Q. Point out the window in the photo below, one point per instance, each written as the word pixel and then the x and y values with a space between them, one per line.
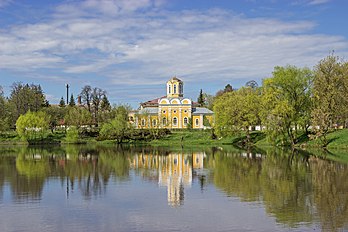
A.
pixel 174 111
pixel 169 87
pixel 197 121
pixel 164 111
pixel 185 121
pixel 143 122
pixel 154 122
pixel 185 111
pixel 174 88
pixel 175 121
pixel 164 121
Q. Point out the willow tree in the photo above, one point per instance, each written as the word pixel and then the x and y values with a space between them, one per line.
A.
pixel 237 112
pixel 330 96
pixel 32 125
pixel 286 103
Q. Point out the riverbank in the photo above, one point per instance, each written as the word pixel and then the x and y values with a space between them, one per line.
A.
pixel 336 139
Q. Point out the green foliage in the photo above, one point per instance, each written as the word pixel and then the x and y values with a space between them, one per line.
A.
pixel 200 99
pixel 72 134
pixel 78 116
pixel 62 102
pixel 25 97
pixel 72 101
pixel 237 111
pixel 33 125
pixel 330 96
pixel 118 128
pixel 286 103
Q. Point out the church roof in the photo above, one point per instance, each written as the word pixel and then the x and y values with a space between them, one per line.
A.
pixel 148 110
pixel 201 110
pixel 175 79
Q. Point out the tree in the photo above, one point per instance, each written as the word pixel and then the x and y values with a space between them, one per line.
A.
pixel 228 88
pixel 4 112
pixel 62 102
pixel 86 96
pixel 118 127
pixel 77 116
pixel 209 100
pixel 72 101
pixel 330 96
pixel 287 102
pixel 25 97
pixel 97 96
pixel 252 84
pixel 32 125
pixel 237 111
pixel 200 99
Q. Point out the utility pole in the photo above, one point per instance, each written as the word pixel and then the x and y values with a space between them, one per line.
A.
pixel 67 93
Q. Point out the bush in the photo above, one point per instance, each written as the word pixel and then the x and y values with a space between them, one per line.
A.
pixel 72 135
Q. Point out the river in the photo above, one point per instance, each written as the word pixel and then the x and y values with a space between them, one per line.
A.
pixel 109 188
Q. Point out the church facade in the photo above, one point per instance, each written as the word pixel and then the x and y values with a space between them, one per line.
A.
pixel 172 111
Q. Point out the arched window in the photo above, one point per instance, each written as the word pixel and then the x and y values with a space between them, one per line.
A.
pixel 169 89
pixel 164 121
pixel 175 121
pixel 185 121
pixel 174 88
pixel 154 122
pixel 197 122
pixel 143 122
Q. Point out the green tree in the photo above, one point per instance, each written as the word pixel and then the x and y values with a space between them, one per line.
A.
pixel 72 101
pixel 25 97
pixel 62 102
pixel 77 116
pixel 287 103
pixel 32 125
pixel 200 98
pixel 72 134
pixel 4 112
pixel 330 96
pixel 237 111
pixel 117 128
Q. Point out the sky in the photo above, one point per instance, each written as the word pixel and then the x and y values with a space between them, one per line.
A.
pixel 130 48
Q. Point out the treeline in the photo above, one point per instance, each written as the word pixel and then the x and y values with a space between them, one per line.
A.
pixel 292 102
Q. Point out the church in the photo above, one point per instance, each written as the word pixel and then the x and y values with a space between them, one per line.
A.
pixel 172 111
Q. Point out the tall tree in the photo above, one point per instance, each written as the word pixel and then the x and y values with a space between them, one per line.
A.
pixel 237 111
pixel 287 102
pixel 330 96
pixel 26 97
pixel 200 98
pixel 86 96
pixel 72 100
pixel 97 97
pixel 4 112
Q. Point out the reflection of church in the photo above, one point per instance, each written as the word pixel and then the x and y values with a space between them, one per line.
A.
pixel 173 171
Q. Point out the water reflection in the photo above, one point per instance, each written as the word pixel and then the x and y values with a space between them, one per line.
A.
pixel 295 188
pixel 173 171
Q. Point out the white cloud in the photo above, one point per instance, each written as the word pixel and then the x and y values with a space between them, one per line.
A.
pixel 318 2
pixel 136 43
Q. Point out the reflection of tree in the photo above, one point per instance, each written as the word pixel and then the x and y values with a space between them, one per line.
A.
pixel 294 188
pixel 283 187
pixel 330 193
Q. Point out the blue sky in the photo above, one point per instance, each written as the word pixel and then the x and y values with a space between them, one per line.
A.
pixel 130 48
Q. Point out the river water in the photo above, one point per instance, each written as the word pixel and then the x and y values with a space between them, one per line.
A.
pixel 109 188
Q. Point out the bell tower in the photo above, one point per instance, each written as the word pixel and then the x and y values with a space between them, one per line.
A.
pixel 175 88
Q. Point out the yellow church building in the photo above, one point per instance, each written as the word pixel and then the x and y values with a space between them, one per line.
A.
pixel 172 111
